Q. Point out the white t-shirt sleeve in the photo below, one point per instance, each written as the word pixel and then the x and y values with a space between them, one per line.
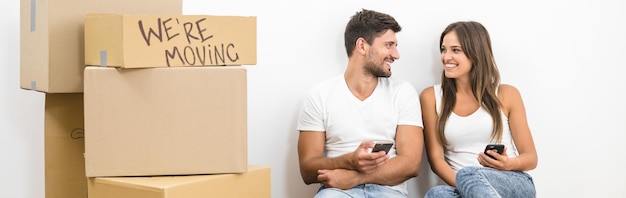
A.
pixel 310 116
pixel 410 111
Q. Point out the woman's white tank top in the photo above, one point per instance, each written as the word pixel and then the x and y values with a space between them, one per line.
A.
pixel 468 135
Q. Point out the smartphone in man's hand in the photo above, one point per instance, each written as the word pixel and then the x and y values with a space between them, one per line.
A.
pixel 382 146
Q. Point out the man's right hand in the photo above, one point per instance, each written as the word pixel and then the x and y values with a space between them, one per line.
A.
pixel 365 161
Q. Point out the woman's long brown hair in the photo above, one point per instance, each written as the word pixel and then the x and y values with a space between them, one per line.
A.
pixel 485 77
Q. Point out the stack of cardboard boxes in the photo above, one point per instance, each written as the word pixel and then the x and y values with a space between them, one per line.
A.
pixel 141 101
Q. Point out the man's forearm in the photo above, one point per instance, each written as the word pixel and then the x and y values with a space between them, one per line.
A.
pixel 393 172
pixel 309 167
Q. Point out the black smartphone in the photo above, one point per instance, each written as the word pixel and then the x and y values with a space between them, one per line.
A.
pixel 497 147
pixel 382 146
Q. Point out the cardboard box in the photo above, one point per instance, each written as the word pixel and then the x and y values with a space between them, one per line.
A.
pixel 255 183
pixel 51 38
pixel 165 121
pixel 64 146
pixel 141 41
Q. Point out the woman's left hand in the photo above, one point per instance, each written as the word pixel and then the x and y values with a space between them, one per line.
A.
pixel 501 161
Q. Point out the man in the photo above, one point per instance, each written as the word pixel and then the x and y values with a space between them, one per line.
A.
pixel 343 117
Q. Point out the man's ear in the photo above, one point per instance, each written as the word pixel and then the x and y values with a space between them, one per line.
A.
pixel 361 45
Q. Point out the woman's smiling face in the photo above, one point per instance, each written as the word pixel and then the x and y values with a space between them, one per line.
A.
pixel 455 62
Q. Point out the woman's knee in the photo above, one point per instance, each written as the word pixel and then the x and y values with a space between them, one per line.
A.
pixel 470 170
pixel 441 191
pixel 472 174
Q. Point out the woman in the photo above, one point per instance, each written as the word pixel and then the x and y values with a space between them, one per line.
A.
pixel 469 110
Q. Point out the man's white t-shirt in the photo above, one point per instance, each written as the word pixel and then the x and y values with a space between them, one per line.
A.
pixel 330 107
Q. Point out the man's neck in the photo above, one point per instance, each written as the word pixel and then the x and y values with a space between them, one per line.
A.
pixel 361 85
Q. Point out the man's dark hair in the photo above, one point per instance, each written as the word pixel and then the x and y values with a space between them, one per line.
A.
pixel 368 24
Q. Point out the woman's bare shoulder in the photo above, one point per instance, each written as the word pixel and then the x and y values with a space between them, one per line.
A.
pixel 507 90
pixel 509 97
pixel 427 93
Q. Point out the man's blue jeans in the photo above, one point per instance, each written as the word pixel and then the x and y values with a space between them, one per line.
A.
pixel 364 190
pixel 486 182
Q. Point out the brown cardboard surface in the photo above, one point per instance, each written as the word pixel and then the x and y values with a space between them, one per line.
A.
pixel 255 183
pixel 141 41
pixel 51 38
pixel 165 121
pixel 64 146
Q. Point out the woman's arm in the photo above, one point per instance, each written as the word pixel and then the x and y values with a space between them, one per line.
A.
pixel 434 149
pixel 514 109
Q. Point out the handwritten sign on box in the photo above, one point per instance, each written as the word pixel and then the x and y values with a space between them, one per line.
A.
pixel 142 41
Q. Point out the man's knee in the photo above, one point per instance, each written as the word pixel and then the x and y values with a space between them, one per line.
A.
pixel 331 192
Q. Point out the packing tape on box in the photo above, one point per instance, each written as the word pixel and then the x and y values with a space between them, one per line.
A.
pixel 33 11
pixel 103 58
pixel 33 85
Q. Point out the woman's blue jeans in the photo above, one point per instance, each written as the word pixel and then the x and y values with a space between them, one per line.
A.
pixel 486 182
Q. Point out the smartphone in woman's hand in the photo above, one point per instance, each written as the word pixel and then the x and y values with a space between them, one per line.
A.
pixel 496 147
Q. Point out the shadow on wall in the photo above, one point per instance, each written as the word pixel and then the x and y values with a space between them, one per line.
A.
pixel 426 179
pixel 295 187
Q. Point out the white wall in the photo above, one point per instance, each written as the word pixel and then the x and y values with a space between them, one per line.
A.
pixel 566 57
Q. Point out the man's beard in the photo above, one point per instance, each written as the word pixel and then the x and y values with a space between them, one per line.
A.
pixel 376 70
